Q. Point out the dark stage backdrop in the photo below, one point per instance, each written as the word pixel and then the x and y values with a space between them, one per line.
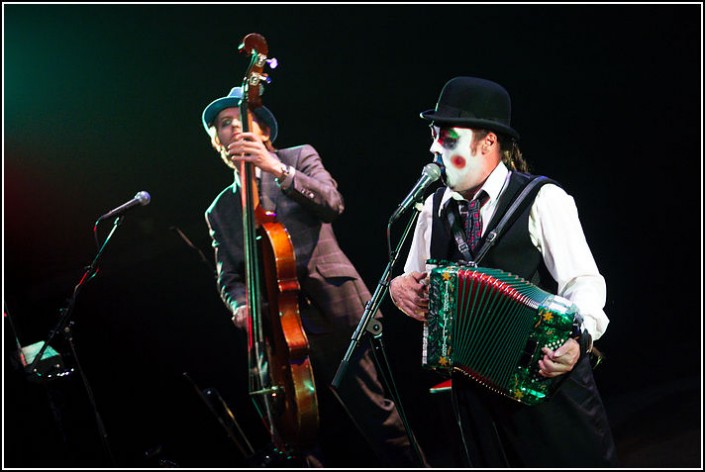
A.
pixel 103 101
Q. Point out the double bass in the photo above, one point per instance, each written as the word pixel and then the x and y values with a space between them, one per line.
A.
pixel 281 382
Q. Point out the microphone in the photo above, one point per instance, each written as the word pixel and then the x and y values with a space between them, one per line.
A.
pixel 142 198
pixel 431 172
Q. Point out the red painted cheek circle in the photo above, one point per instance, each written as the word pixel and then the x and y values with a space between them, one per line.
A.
pixel 458 162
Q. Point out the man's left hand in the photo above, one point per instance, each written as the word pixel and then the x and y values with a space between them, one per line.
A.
pixel 560 361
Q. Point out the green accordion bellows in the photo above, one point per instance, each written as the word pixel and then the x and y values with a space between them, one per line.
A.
pixel 490 325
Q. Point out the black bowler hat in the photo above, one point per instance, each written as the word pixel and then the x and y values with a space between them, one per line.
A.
pixel 475 103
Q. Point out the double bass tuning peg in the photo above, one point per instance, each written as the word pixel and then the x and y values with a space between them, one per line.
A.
pixel 256 79
pixel 272 63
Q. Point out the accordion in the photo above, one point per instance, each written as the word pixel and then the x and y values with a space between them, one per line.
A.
pixel 490 326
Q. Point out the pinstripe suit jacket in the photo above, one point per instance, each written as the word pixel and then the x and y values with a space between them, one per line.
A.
pixel 306 209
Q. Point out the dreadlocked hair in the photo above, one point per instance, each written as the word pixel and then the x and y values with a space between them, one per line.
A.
pixel 509 150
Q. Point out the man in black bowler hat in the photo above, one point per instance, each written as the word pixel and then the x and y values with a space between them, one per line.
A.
pixel 484 173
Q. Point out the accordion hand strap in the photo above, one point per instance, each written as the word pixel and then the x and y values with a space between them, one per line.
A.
pixel 492 235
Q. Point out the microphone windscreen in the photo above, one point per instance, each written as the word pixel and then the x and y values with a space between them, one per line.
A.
pixel 432 170
pixel 143 197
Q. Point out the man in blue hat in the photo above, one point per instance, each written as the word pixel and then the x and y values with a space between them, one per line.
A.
pixel 295 185
pixel 484 173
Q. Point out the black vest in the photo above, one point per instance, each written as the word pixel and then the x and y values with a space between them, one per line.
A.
pixel 512 251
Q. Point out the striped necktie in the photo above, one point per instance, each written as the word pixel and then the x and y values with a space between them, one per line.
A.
pixel 472 221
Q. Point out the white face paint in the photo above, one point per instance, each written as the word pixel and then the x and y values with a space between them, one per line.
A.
pixel 463 167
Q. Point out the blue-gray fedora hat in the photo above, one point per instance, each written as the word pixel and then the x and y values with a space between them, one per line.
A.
pixel 233 100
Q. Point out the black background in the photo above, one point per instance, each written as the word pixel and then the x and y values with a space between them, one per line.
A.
pixel 103 101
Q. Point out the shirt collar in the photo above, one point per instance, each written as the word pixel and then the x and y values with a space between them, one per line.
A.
pixel 493 186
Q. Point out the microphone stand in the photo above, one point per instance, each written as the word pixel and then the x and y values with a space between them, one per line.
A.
pixel 368 324
pixel 190 244
pixel 65 326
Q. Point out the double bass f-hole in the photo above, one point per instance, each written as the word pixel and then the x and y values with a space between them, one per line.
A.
pixel 281 382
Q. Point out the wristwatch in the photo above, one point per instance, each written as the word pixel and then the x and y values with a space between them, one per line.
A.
pixel 285 170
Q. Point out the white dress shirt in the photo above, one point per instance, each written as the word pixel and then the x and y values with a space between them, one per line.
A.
pixel 555 230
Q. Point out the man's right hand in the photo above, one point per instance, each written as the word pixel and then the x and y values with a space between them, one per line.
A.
pixel 409 292
pixel 240 317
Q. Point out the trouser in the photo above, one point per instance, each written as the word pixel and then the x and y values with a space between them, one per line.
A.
pixel 569 430
pixel 362 396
